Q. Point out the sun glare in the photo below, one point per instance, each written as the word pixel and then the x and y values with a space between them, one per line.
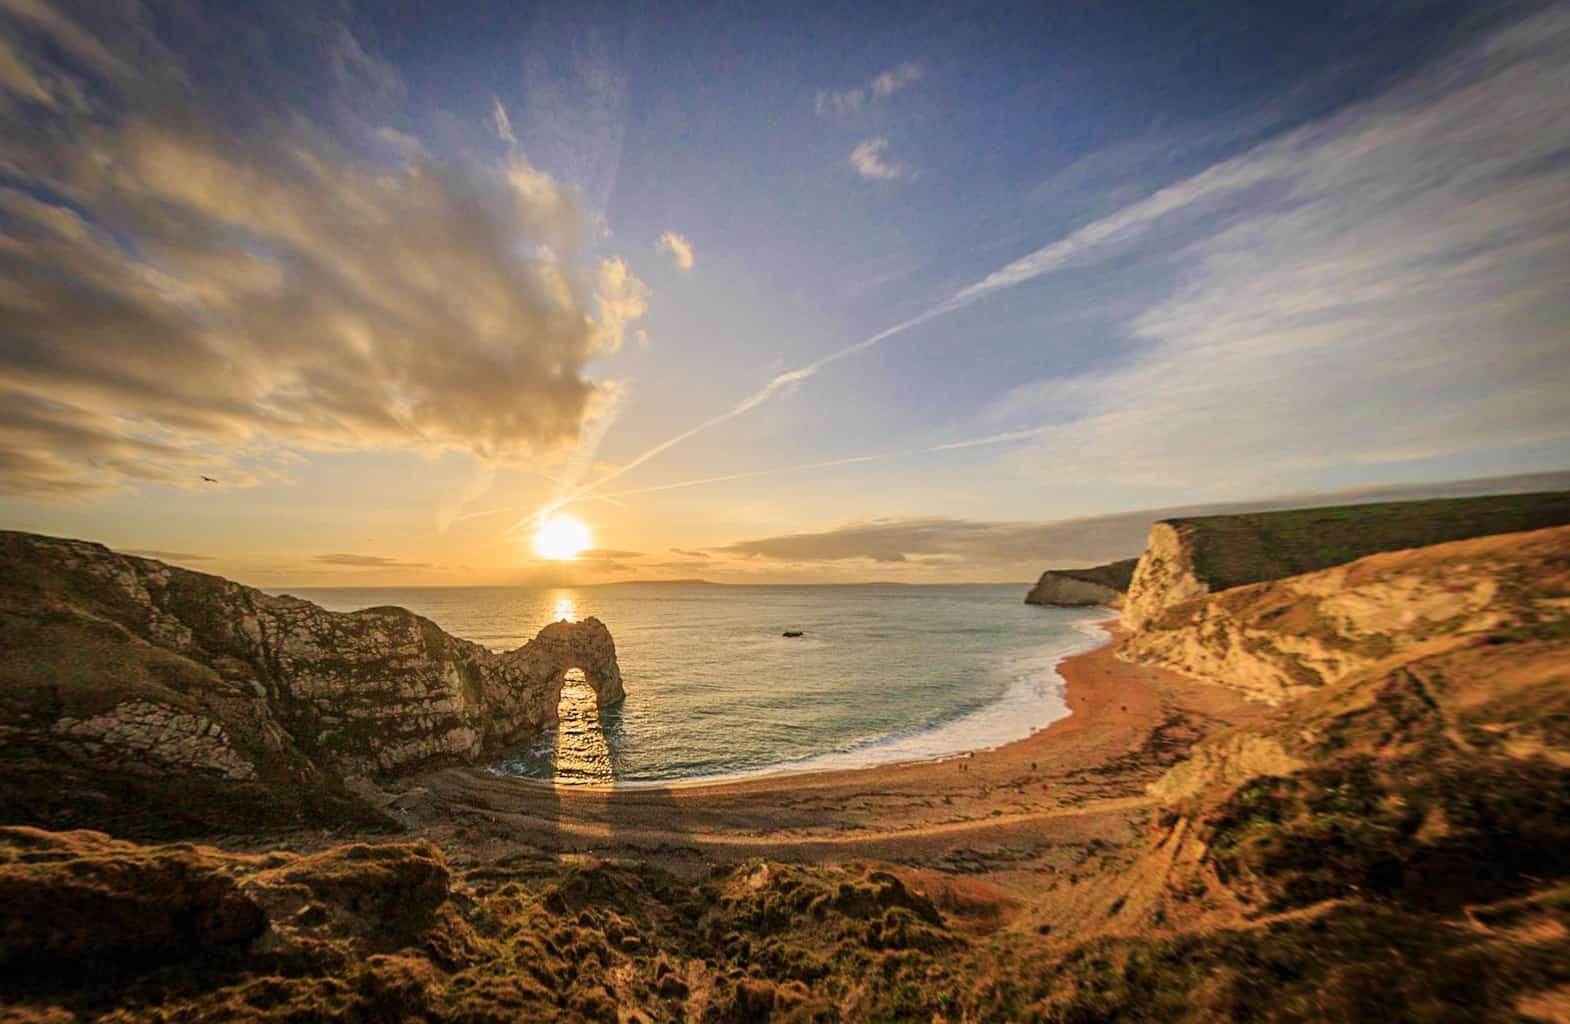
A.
pixel 561 538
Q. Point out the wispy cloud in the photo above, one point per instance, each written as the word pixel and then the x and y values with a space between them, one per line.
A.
pixel 980 548
pixel 608 553
pixel 871 163
pixel 1383 287
pixel 679 248
pixel 845 102
pixel 975 544
pixel 368 562
pixel 180 282
pixel 502 122
pixel 622 298
pixel 1460 210
pixel 538 513
pixel 170 556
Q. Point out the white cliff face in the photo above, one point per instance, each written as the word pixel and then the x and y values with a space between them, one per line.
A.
pixel 1280 639
pixel 277 686
pixel 1165 576
pixel 1057 589
pixel 146 736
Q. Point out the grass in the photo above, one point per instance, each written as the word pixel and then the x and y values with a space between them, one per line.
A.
pixel 1236 550
pixel 391 932
pixel 1114 574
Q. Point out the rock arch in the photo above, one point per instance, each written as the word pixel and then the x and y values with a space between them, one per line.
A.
pixel 232 682
pixel 561 646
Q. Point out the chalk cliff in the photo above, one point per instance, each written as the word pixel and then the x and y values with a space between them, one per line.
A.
pixel 125 665
pixel 1098 585
pixel 1286 638
pixel 1417 755
pixel 1188 557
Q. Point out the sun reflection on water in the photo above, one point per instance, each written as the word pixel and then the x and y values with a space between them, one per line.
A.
pixel 565 609
pixel 582 753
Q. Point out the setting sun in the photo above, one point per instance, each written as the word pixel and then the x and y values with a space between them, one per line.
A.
pixel 561 538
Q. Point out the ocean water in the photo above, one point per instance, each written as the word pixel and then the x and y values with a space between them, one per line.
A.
pixel 882 674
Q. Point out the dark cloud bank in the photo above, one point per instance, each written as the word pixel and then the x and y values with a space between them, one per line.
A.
pixel 1030 547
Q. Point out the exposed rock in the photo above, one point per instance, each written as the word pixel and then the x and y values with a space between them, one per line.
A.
pixel 130 666
pixel 156 737
pixel 1223 765
pixel 1098 585
pixel 1276 640
pixel 1165 576
pixel 1189 557
pixel 1416 690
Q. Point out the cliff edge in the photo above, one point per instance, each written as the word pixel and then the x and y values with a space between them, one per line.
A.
pixel 1410 788
pixel 1189 557
pixel 1097 585
pixel 126 674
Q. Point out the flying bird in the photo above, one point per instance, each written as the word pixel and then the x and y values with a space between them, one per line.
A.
pixel 209 479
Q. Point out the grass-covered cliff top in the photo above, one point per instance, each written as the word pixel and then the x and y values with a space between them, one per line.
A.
pixel 1114 574
pixel 1235 550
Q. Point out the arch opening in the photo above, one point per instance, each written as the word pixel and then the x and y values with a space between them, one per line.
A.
pixel 583 751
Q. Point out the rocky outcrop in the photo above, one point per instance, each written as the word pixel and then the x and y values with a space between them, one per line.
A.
pixel 1166 575
pixel 1417 755
pixel 1278 640
pixel 1098 585
pixel 1189 557
pixel 129 665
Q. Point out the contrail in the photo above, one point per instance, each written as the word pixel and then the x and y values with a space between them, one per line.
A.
pixel 1005 438
pixel 1251 168
pixel 1014 435
pixel 767 392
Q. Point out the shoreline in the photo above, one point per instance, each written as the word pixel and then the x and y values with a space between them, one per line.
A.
pixel 1037 802
pixel 1097 634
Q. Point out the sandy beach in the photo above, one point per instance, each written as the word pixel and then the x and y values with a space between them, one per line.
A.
pixel 1031 806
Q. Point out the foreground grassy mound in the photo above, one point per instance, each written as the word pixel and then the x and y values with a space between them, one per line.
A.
pixel 390 932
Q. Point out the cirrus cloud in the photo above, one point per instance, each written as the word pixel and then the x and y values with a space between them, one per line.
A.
pixel 368 562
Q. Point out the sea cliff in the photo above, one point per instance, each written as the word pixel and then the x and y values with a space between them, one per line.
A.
pixel 113 666
pixel 1097 585
pixel 1188 557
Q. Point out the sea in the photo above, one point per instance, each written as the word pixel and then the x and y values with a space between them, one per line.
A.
pixel 715 691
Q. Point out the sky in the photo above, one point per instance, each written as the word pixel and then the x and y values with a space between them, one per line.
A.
pixel 345 294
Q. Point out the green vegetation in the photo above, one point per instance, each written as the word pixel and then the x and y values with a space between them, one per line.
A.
pixel 1427 834
pixel 392 932
pixel 1114 574
pixel 1236 550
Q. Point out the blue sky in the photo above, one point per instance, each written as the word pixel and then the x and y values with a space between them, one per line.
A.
pixel 399 277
